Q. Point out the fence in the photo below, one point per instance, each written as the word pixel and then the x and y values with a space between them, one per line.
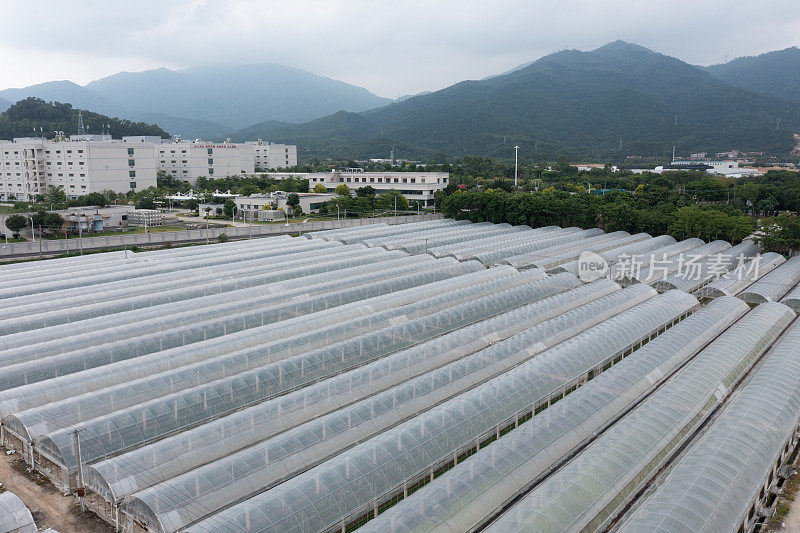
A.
pixel 211 234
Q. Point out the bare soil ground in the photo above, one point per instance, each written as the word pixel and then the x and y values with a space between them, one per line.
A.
pixel 48 506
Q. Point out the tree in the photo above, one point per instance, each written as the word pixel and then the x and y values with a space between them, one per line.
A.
pixel 16 223
pixel 55 196
pixel 293 200
pixel 47 221
pixel 320 188
pixel 229 208
pixel 386 201
pixel 145 202
pixel 365 192
pixel 342 189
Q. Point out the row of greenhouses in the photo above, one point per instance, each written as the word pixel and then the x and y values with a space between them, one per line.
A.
pixel 434 376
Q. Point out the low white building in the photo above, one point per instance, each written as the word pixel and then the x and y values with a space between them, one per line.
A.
pixel 729 169
pixel 28 166
pixel 416 186
pixel 252 205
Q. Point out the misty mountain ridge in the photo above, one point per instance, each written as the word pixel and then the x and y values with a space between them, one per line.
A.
pixel 569 101
pixel 774 73
pixel 208 101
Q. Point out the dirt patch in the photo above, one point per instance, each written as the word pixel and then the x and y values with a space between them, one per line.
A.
pixel 48 506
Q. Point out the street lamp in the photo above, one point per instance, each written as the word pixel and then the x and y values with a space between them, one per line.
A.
pixel 516 161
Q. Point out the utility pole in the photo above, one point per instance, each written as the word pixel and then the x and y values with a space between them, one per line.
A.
pixel 80 235
pixel 80 489
pixel 516 161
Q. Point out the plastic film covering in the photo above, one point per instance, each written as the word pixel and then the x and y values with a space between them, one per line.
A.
pixel 399 229
pixel 554 263
pixel 44 342
pixel 497 254
pixel 162 288
pixel 287 453
pixel 93 404
pixel 695 274
pixel 276 275
pixel 116 477
pixel 345 486
pixel 461 499
pixel 400 290
pixel 258 376
pixel 774 285
pixel 62 266
pixel 586 492
pixel 379 229
pixel 391 242
pixel 623 252
pixel 712 486
pixel 191 333
pixel 742 276
pixel 660 266
pixel 14 516
pixel 419 244
pixel 526 259
pixel 525 233
pixel 143 272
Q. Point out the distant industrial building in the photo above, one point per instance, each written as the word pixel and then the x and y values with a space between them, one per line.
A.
pixel 416 186
pixel 92 163
pixel 253 206
pixel 81 165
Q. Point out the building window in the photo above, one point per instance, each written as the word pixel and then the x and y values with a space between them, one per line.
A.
pixel 210 161
pixel 210 151
pixel 131 173
pixel 130 151
pixel 131 163
pixel 210 171
pixel 133 185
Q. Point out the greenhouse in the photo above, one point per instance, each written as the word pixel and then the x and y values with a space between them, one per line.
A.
pixel 624 253
pixel 355 481
pixel 14 516
pixel 473 492
pixel 742 276
pixel 40 393
pixel 775 285
pixel 715 486
pixel 209 441
pixel 435 376
pixel 694 275
pixel 589 490
pixel 282 456
pixel 255 375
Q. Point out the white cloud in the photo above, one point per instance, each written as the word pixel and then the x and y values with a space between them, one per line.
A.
pixel 390 47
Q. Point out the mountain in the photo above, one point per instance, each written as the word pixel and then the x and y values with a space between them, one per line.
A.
pixel 4 104
pixel 61 91
pixel 20 119
pixel 774 73
pixel 235 96
pixel 581 103
pixel 209 101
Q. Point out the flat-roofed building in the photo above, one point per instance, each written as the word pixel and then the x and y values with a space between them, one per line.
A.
pixel 416 186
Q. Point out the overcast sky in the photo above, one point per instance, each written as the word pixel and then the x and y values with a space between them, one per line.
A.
pixel 390 47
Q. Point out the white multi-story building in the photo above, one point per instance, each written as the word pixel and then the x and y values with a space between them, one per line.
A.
pixel 28 166
pixel 93 163
pixel 416 186
pixel 190 160
pixel 273 155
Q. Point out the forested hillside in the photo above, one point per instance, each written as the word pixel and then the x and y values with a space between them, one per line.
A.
pixel 20 119
pixel 620 99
